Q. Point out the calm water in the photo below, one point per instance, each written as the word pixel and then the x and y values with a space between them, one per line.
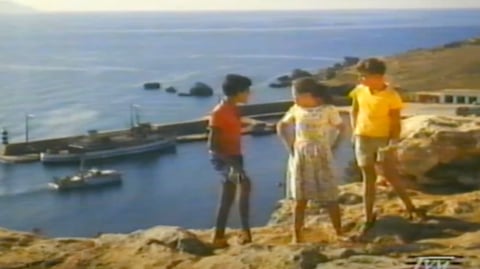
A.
pixel 82 71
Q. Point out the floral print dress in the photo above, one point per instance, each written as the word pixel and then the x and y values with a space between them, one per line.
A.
pixel 311 172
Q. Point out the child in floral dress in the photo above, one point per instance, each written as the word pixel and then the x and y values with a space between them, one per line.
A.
pixel 311 172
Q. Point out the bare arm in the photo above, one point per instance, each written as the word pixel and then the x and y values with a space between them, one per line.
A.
pixel 341 135
pixel 395 124
pixel 354 113
pixel 285 136
pixel 213 140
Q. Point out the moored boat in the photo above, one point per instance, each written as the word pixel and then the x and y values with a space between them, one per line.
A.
pixel 109 150
pixel 141 139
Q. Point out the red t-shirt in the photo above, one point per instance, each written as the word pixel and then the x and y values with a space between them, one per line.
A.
pixel 226 118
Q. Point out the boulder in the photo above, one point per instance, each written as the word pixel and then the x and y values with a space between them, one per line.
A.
pixel 284 78
pixel 337 66
pixel 350 61
pixel 309 258
pixel 286 81
pixel 299 73
pixel 201 89
pixel 171 90
pixel 441 147
pixel 152 86
pixel 174 238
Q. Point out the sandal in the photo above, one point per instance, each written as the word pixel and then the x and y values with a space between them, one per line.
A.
pixel 220 243
pixel 245 238
pixel 365 228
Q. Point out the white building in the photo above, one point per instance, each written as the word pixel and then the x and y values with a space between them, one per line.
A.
pixel 450 96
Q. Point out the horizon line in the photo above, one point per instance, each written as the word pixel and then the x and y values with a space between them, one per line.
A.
pixel 36 11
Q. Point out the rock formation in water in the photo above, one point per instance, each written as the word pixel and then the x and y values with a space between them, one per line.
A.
pixel 337 89
pixel 201 89
pixel 285 81
pixel 171 89
pixel 152 85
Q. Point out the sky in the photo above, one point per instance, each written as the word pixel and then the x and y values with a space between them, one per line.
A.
pixel 199 5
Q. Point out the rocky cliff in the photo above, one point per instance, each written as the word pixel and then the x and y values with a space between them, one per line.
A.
pixel 453 226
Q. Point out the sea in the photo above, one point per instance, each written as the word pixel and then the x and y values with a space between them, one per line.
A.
pixel 73 72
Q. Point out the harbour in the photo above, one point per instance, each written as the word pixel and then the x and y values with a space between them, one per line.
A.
pixel 182 132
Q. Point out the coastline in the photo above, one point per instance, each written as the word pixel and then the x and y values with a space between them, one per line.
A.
pixel 457 219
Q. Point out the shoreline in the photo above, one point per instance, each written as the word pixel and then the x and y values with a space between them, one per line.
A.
pixel 455 218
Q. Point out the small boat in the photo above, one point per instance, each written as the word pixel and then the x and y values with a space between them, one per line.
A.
pixel 87 179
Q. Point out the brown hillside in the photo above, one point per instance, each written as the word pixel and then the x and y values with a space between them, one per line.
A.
pixel 455 65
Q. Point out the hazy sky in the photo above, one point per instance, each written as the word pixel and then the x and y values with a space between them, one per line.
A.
pixel 119 5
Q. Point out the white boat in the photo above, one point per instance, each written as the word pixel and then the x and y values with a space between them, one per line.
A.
pixel 113 147
pixel 87 179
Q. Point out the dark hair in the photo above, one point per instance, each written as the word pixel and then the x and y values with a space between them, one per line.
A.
pixel 304 85
pixel 311 86
pixel 372 66
pixel 235 84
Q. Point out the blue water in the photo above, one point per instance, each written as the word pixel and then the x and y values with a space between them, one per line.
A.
pixel 76 72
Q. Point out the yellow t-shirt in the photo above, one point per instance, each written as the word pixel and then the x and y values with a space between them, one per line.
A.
pixel 374 110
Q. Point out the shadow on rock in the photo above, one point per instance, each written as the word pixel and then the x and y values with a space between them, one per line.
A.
pixel 402 230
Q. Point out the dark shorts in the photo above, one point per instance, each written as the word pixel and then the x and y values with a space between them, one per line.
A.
pixel 222 167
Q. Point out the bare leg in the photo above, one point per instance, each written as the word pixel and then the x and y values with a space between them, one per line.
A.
pixel 390 172
pixel 244 209
pixel 369 191
pixel 335 216
pixel 382 181
pixel 298 215
pixel 226 201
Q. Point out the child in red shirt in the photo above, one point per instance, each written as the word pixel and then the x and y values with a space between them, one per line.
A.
pixel 225 147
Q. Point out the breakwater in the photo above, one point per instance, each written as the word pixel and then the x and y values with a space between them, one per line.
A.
pixel 187 131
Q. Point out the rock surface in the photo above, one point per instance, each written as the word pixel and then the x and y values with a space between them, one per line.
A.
pixel 390 242
pixel 441 150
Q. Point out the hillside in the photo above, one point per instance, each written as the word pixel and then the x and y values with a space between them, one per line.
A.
pixel 455 65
